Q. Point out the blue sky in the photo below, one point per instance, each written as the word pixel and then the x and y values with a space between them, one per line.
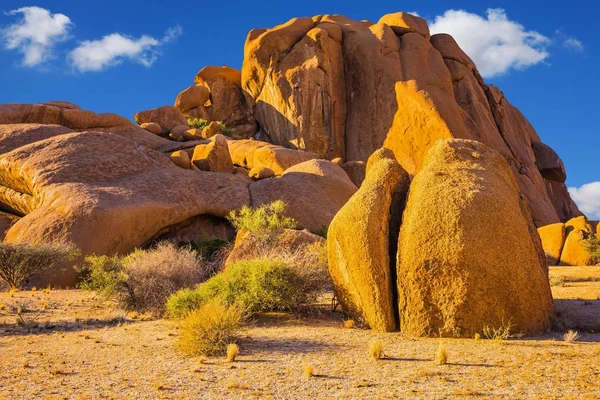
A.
pixel 127 56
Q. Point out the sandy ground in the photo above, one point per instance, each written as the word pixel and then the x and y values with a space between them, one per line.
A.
pixel 74 346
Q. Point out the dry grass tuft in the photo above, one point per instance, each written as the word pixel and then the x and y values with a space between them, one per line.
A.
pixel 442 355
pixel 232 352
pixel 349 324
pixel 477 336
pixel 557 281
pixel 209 329
pixel 501 333
pixel 376 350
pixel 309 371
pixel 571 336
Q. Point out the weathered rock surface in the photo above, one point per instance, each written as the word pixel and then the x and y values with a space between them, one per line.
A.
pixel 167 117
pixel 6 222
pixel 314 192
pixel 553 239
pixel 344 88
pixel 246 247
pixel 464 212
pixel 213 156
pixel 104 192
pixel 362 244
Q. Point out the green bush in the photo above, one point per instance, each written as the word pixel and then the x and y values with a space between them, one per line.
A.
pixel 264 223
pixel 197 123
pixel 104 275
pixel 255 285
pixel 182 302
pixel 144 279
pixel 21 261
pixel 593 245
pixel 209 329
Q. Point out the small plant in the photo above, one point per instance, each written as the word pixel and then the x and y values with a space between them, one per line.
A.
pixel 571 336
pixel 349 323
pixel 376 350
pixel 208 330
pixel 323 231
pixel 226 131
pixel 197 123
pixel 232 352
pixel 20 261
pixel 264 223
pixel 501 333
pixel 593 245
pixel 477 336
pixel 442 355
pixel 309 371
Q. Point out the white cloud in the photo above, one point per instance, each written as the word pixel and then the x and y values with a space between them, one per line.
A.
pixel 113 49
pixel 496 44
pixel 573 44
pixel 35 34
pixel 587 197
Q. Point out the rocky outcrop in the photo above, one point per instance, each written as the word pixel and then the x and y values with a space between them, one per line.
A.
pixel 167 117
pixel 103 192
pixel 467 239
pixel 344 88
pixel 314 191
pixel 77 119
pixel 226 102
pixel 362 244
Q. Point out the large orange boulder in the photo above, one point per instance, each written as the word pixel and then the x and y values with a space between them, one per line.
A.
pixel 213 156
pixel 467 239
pixel 344 88
pixel 553 240
pixel 192 97
pixel 362 241
pixel 167 117
pixel 254 154
pixel 103 192
pixel 575 251
pixel 314 192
